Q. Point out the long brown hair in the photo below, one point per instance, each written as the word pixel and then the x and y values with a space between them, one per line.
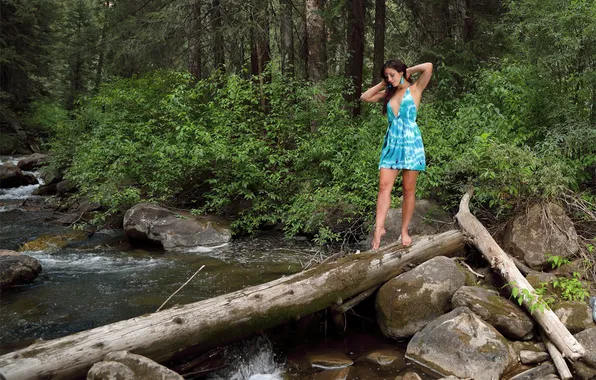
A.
pixel 398 66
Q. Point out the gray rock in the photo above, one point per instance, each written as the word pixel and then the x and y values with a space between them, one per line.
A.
pixel 586 368
pixel 329 360
pixel 461 344
pixel 575 315
pixel 384 358
pixel 428 219
pixel 536 373
pixel 504 315
pixel 408 302
pixel 409 376
pixel 65 187
pixel 46 190
pixel 33 161
pixel 533 357
pixel 540 232
pixel 173 230
pixel 11 176
pixel 120 365
pixel 17 269
pixel 110 371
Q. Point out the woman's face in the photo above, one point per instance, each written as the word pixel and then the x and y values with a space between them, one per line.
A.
pixel 393 77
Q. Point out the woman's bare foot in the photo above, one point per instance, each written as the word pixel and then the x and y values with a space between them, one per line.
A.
pixel 376 240
pixel 406 239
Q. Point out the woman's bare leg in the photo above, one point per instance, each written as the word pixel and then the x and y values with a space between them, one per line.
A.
pixel 407 208
pixel 386 180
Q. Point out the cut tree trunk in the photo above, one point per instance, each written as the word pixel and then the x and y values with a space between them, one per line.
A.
pixel 216 321
pixel 502 263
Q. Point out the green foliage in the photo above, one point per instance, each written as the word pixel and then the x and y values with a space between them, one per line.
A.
pixel 556 261
pixel 534 300
pixel 217 148
pixel 572 289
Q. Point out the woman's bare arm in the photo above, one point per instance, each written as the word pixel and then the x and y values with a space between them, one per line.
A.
pixel 425 70
pixel 375 93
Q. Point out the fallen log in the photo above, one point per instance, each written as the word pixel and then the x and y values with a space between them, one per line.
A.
pixel 558 360
pixel 216 321
pixel 502 263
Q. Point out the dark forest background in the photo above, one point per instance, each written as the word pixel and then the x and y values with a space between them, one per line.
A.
pixel 250 109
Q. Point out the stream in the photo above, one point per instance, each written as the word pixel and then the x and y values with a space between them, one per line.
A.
pixel 103 279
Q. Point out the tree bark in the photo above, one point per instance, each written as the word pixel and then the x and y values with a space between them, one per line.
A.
pixel 379 53
pixel 355 62
pixel 287 38
pixel 216 321
pixel 218 39
pixel 260 48
pixel 316 41
pixel 502 263
pixel 194 40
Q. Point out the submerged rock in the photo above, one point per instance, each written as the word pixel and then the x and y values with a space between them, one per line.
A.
pixel 504 315
pixel 17 269
pixel 329 360
pixel 461 344
pixel 149 222
pixel 33 161
pixel 123 365
pixel 541 232
pixel 49 242
pixel 11 176
pixel 408 302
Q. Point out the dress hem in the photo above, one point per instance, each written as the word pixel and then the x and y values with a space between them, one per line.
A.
pixel 396 167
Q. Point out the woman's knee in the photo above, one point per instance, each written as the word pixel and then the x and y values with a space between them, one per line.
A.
pixel 409 190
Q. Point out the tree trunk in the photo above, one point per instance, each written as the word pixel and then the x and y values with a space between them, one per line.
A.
pixel 260 56
pixel 216 321
pixel 316 41
pixel 218 40
pixel 503 264
pixel 194 40
pixel 355 62
pixel 287 38
pixel 102 49
pixel 379 54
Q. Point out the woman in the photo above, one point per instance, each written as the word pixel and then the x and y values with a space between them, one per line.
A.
pixel 403 148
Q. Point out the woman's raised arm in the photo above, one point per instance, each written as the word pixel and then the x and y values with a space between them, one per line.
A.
pixel 425 70
pixel 374 94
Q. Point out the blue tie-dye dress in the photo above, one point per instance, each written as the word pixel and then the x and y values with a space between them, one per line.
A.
pixel 403 147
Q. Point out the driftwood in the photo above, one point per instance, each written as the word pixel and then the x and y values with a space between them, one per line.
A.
pixel 216 321
pixel 560 364
pixel 502 263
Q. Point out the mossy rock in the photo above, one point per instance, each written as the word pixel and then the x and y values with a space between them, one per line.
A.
pixel 49 242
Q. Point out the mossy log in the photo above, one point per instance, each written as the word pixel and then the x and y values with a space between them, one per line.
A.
pixel 216 321
pixel 504 265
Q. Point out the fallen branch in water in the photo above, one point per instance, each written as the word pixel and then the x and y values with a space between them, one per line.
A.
pixel 183 285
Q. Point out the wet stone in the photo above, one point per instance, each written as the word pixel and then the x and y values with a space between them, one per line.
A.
pixel 576 316
pixel 409 376
pixel 536 373
pixel 332 374
pixel 329 360
pixel 384 358
pixel 533 357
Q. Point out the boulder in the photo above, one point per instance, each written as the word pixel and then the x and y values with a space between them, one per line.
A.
pixel 542 231
pixel 405 304
pixel 575 315
pixel 586 368
pixel 33 161
pixel 11 176
pixel 17 269
pixel 428 219
pixel 66 186
pixel 384 358
pixel 50 189
pixel 122 365
pixel 461 344
pixel 149 222
pixel 504 315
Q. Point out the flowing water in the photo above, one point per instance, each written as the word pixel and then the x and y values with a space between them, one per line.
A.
pixel 102 279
